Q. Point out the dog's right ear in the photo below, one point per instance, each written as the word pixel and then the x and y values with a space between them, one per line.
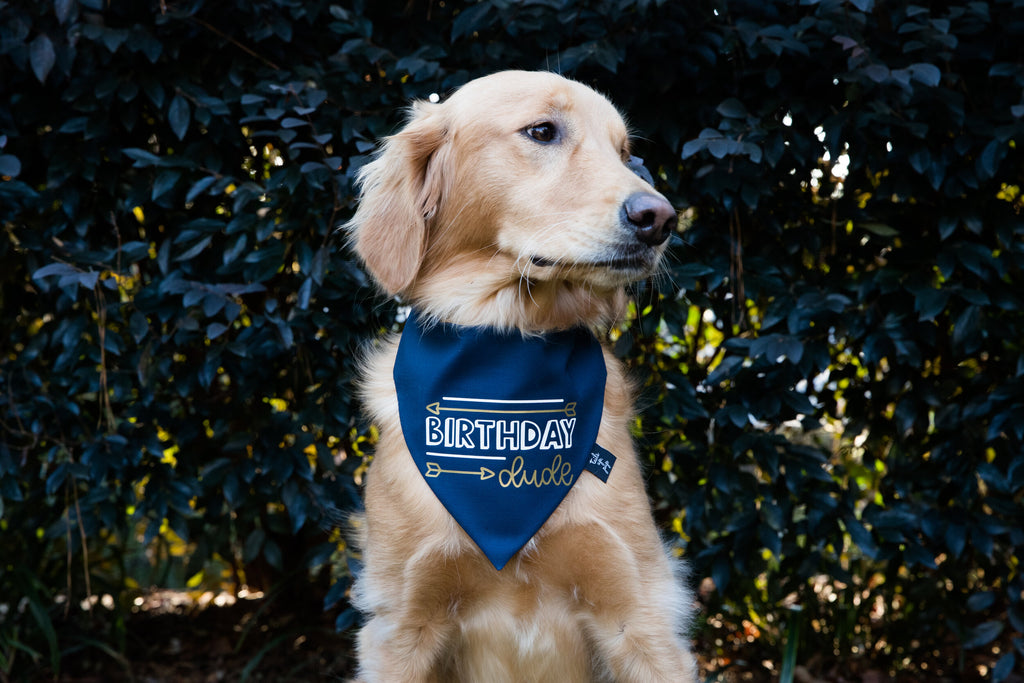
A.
pixel 400 191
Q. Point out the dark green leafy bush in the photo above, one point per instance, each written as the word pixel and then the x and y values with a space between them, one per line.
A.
pixel 834 402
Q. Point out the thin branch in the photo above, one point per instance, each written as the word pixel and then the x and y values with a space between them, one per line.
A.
pixel 247 50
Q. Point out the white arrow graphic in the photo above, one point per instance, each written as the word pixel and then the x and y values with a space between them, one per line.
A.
pixel 435 408
pixel 435 470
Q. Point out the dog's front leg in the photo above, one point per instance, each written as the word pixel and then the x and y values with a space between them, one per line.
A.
pixel 638 633
pixel 408 636
pixel 632 602
pixel 393 648
pixel 636 650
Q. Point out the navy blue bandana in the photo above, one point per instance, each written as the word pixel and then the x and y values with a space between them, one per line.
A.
pixel 500 425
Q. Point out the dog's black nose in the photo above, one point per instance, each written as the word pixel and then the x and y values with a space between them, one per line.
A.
pixel 651 216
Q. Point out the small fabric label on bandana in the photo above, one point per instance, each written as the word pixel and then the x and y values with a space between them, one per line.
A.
pixel 600 462
pixel 500 425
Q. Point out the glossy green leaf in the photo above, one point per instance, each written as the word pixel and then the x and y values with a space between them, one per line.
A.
pixel 9 165
pixel 178 116
pixel 41 56
pixel 983 634
pixel 732 108
pixel 928 74
pixel 63 9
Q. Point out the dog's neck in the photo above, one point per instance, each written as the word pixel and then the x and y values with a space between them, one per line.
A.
pixel 528 306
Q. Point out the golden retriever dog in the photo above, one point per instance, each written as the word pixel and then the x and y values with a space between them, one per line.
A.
pixel 512 206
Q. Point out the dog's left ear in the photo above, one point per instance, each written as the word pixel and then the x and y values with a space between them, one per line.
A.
pixel 400 192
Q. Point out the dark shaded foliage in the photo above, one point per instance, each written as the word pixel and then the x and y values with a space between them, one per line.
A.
pixel 834 396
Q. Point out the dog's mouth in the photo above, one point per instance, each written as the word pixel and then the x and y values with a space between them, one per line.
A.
pixel 637 260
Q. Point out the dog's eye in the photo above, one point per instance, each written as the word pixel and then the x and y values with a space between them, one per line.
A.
pixel 542 132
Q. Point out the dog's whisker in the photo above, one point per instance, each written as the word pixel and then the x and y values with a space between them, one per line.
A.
pixel 538 244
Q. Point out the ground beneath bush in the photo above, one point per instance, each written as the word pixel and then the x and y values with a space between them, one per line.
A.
pixel 173 636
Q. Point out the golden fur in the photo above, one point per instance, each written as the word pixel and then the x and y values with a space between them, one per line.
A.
pixel 473 217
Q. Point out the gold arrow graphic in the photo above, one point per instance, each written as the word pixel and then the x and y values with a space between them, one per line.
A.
pixel 434 470
pixel 435 408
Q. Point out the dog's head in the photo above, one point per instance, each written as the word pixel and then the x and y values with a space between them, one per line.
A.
pixel 515 203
